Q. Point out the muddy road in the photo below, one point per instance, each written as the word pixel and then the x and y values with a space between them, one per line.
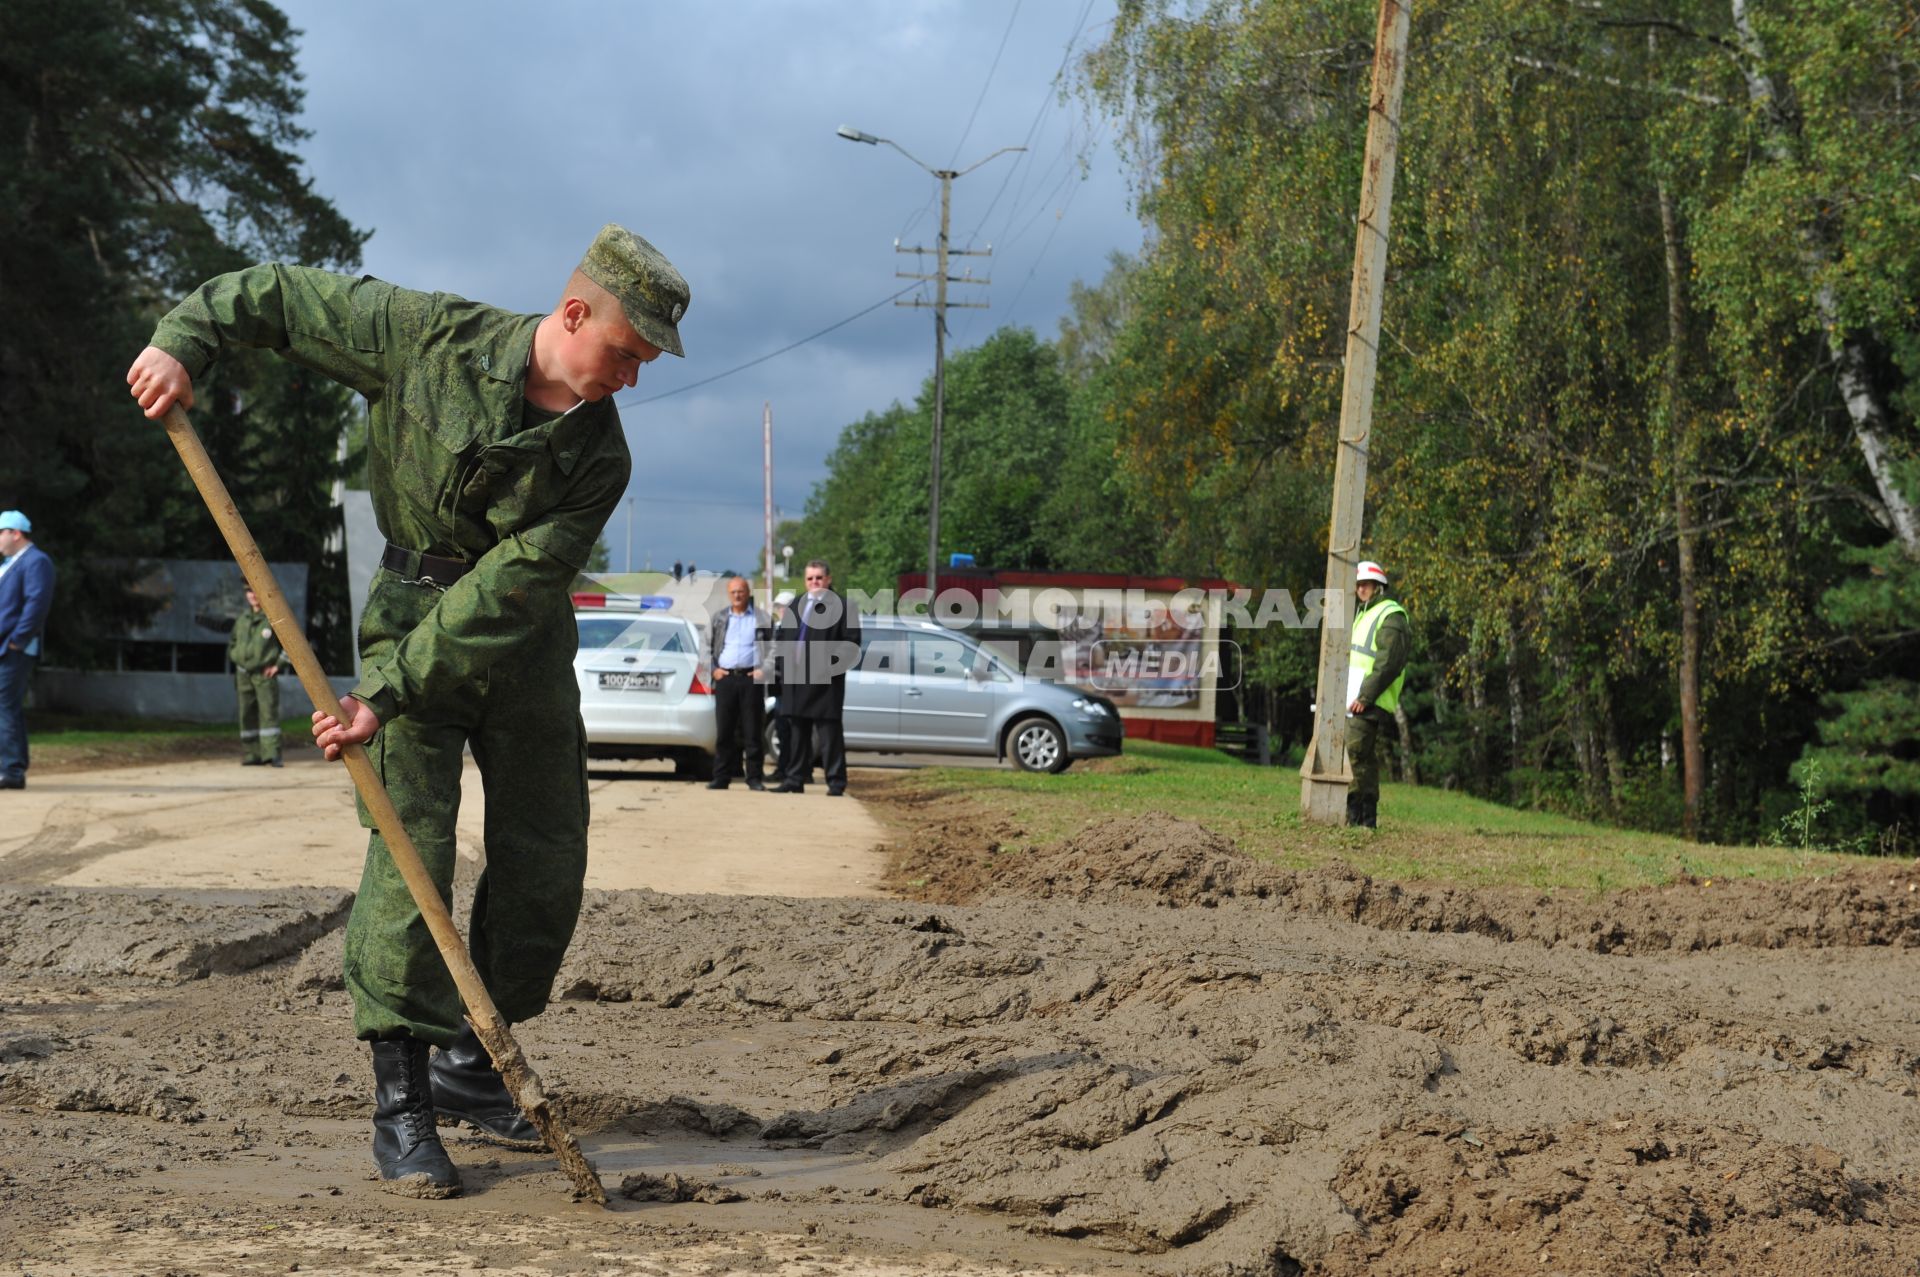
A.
pixel 1136 1052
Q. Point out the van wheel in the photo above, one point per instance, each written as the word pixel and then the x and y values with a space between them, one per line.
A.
pixel 1037 745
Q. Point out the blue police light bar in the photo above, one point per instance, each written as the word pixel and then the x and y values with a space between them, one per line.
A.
pixel 623 602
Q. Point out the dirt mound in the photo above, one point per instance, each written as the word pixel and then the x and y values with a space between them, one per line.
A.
pixel 1624 1197
pixel 1161 860
pixel 160 935
pixel 1138 1053
pixel 1151 859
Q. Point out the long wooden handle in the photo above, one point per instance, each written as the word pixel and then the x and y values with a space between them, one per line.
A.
pixel 520 1078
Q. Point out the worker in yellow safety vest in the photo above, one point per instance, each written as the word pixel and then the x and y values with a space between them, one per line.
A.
pixel 1382 639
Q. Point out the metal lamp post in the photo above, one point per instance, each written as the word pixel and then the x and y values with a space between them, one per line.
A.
pixel 939 306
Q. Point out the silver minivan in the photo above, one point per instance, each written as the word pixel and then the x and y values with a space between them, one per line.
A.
pixel 923 689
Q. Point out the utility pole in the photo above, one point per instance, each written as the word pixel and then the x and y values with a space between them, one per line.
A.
pixel 942 251
pixel 1325 775
pixel 629 561
pixel 939 305
pixel 766 480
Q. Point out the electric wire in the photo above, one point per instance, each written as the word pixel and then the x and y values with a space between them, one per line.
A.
pixel 727 501
pixel 1025 165
pixel 1046 101
pixel 1045 244
pixel 795 345
pixel 1071 184
pixel 966 132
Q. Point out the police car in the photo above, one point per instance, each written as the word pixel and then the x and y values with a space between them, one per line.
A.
pixel 644 691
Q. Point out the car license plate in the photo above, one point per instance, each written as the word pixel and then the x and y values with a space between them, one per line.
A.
pixel 630 681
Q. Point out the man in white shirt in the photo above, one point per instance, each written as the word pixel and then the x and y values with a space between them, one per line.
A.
pixel 737 638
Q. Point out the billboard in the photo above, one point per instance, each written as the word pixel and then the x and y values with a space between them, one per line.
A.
pixel 199 599
pixel 1146 653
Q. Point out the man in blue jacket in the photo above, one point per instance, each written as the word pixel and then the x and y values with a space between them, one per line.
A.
pixel 26 596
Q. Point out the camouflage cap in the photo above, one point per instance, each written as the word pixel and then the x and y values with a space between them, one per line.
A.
pixel 651 291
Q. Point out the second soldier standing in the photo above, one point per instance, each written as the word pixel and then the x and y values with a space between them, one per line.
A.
pixel 257 657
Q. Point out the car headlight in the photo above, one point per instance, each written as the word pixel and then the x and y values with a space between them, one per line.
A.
pixel 1092 709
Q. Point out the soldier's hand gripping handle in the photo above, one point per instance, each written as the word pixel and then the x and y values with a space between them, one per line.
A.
pixel 355 726
pixel 159 381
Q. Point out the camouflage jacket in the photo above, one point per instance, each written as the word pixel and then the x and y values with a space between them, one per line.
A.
pixel 455 468
pixel 253 646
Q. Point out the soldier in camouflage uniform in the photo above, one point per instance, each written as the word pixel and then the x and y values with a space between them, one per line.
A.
pixel 256 656
pixel 497 457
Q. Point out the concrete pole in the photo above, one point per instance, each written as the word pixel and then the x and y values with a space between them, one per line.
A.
pixel 766 468
pixel 1325 775
pixel 939 384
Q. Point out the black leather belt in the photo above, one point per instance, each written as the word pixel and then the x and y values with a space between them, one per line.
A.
pixel 424 569
pixel 739 669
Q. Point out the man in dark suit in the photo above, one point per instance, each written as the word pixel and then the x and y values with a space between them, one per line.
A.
pixel 817 642
pixel 737 643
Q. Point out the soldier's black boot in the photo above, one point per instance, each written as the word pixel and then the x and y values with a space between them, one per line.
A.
pixel 467 1088
pixel 406 1146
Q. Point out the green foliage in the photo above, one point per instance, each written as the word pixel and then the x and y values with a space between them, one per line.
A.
pixel 144 148
pixel 1538 413
pixel 1628 255
pixel 1025 475
pixel 1810 824
pixel 1869 750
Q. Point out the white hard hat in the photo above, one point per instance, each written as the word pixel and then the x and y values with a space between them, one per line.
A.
pixel 1371 571
pixel 783 598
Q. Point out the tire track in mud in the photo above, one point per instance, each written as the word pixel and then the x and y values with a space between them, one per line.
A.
pixel 54 851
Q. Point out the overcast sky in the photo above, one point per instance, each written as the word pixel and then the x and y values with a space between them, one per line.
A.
pixel 485 143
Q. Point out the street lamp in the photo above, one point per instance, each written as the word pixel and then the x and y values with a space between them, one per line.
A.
pixel 940 305
pixel 786 562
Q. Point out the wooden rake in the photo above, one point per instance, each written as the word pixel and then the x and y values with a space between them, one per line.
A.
pixel 522 1082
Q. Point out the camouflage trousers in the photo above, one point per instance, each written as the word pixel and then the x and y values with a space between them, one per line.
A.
pixel 523 725
pixel 259 716
pixel 1367 750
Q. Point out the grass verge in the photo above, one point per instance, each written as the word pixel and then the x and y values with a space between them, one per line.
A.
pixel 1425 834
pixel 66 742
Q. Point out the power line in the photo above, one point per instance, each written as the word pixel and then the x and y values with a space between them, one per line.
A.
pixel 913 218
pixel 656 500
pixel 1071 183
pixel 966 132
pixel 1044 245
pixel 707 381
pixel 1046 100
pixel 1010 237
